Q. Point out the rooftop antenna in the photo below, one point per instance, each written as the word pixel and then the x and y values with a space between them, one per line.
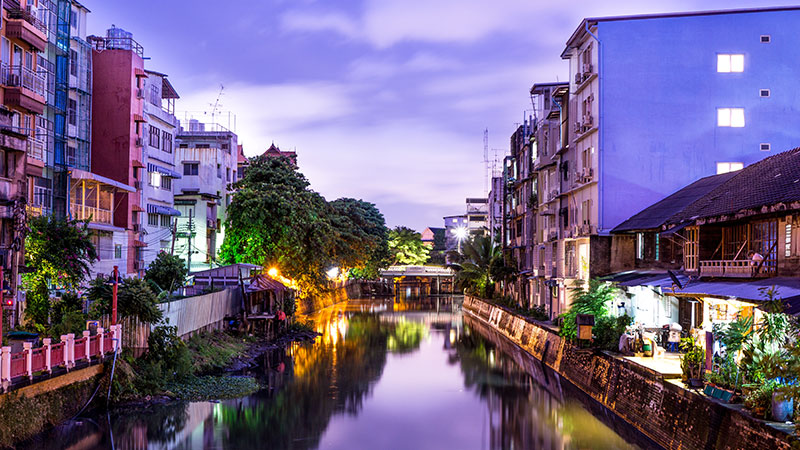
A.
pixel 216 105
pixel 485 162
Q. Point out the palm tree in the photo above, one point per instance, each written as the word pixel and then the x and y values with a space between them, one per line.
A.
pixel 483 266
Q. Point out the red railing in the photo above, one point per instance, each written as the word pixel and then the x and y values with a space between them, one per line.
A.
pixel 18 361
pixel 57 354
pixel 38 361
pixel 108 343
pixel 94 345
pixel 80 349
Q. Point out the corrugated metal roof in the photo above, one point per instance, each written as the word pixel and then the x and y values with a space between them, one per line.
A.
pixel 661 212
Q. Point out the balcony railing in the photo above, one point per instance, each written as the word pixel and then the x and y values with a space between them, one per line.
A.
pixel 20 76
pixel 36 149
pixel 90 213
pixel 744 268
pixel 29 17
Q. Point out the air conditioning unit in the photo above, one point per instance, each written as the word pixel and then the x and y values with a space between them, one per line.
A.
pixel 138 265
pixel 587 173
pixel 139 142
pixel 137 227
pixel 139 93
pixel 138 185
pixel 587 70
pixel 588 120
pixel 13 79
pixel 577 127
pixel 578 78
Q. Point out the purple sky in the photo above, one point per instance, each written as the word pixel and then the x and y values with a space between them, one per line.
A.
pixel 384 100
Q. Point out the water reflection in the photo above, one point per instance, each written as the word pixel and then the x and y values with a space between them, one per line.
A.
pixel 384 374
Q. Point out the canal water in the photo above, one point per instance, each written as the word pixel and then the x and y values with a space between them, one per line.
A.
pixel 385 374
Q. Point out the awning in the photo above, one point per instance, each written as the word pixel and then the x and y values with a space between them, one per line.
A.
pixel 137 208
pixel 137 243
pixel 103 227
pixel 78 174
pixel 162 170
pixel 139 72
pixel 748 290
pixel 138 118
pixel 136 163
pixel 159 209
pixel 264 283
pixel 674 230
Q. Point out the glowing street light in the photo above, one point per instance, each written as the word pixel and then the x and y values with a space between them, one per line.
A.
pixel 333 272
pixel 461 234
pixel 273 272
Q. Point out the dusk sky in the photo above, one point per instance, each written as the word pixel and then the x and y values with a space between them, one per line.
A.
pixel 384 100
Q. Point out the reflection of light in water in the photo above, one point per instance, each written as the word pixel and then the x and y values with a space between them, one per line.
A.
pixel 452 336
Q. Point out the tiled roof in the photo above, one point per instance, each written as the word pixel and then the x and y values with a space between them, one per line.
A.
pixel 659 213
pixel 768 182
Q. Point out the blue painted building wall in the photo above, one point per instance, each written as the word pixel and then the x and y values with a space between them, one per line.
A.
pixel 659 94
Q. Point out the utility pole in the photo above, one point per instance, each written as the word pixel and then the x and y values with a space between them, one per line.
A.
pixel 189 243
pixel 174 235
pixel 2 302
pixel 113 296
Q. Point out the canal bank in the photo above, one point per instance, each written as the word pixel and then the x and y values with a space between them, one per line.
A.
pixel 669 415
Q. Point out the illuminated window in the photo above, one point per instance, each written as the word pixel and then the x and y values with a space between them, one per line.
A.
pixel 730 63
pixel 730 117
pixel 725 167
pixel 639 245
pixel 788 241
pixel 658 244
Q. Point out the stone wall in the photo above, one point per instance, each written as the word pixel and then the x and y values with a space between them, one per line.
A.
pixel 671 416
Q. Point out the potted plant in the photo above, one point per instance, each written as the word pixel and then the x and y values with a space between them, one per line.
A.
pixel 692 362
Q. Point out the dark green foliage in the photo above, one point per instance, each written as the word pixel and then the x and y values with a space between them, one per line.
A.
pixel 134 299
pixel 726 374
pixel 592 299
pixel 206 388
pixel 484 266
pixel 67 316
pixel 275 220
pixel 608 329
pixel 693 359
pixel 536 312
pixel 406 247
pixel 168 272
pixel 61 253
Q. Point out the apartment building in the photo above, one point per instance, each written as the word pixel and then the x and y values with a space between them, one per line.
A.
pixel 725 238
pixel 495 208
pixel 207 155
pixel 23 36
pixel 519 224
pixel 157 143
pixel 644 115
pixel 117 86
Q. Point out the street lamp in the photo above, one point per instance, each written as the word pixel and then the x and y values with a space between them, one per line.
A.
pixel 461 234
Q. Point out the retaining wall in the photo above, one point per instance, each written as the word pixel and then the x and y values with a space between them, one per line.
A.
pixel 671 416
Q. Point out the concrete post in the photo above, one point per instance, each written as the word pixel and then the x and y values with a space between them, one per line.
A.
pixel 69 350
pixel 86 342
pixel 100 331
pixel 5 367
pixel 47 355
pixel 27 347
pixel 118 335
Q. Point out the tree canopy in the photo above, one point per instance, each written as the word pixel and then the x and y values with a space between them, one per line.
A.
pixel 61 253
pixel 167 272
pixel 483 265
pixel 276 220
pixel 406 247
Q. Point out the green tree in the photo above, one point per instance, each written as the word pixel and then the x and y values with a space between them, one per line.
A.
pixel 167 272
pixel 134 299
pixel 593 298
pixel 61 253
pixel 482 266
pixel 361 239
pixel 406 247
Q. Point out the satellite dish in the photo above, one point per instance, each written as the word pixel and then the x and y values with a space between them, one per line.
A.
pixel 675 280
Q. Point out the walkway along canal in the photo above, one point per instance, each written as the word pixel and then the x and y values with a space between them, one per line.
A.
pixel 384 374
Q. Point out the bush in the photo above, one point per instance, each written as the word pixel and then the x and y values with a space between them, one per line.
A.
pixel 693 359
pixel 607 331
pixel 167 272
pixel 759 400
pixel 134 299
pixel 592 299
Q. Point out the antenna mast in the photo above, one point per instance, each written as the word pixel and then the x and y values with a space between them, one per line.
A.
pixel 485 162
pixel 216 104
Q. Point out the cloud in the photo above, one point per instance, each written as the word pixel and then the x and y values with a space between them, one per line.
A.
pixel 313 22
pixel 371 67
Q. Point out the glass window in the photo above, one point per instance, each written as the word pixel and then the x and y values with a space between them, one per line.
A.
pixel 72 112
pixel 166 221
pixel 639 245
pixel 730 117
pixel 730 63
pixel 117 251
pixel 190 168
pixel 725 167
pixel 155 179
pixel 152 219
pixel 155 137
pixel 166 142
pixel 788 241
pixel 166 183
pixel 73 62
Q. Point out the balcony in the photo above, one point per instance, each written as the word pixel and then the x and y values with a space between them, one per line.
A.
pixel 90 213
pixel 27 27
pixel 24 88
pixel 743 268
pixel 36 149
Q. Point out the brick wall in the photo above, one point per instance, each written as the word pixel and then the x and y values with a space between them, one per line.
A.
pixel 669 415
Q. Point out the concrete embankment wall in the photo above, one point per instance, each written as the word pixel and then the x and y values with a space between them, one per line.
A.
pixel 669 415
pixel 309 305
pixel 29 410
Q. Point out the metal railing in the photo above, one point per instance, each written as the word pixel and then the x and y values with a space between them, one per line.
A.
pixel 91 213
pixel 743 268
pixel 36 149
pixel 28 16
pixel 20 76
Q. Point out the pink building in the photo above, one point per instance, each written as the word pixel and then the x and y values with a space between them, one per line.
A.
pixel 117 106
